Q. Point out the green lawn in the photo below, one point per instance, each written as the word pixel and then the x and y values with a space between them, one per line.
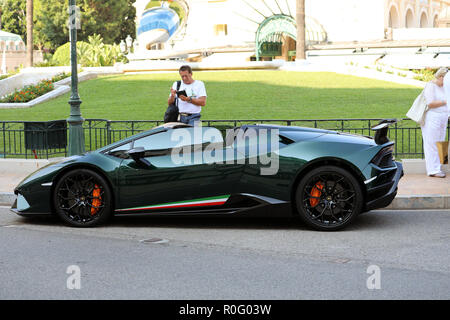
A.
pixel 234 95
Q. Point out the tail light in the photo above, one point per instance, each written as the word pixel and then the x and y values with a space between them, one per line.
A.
pixel 384 158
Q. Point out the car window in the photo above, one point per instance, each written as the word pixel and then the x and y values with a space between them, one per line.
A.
pixel 120 151
pixel 248 136
pixel 155 141
pixel 179 138
pixel 250 140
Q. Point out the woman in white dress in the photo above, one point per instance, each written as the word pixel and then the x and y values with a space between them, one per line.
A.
pixel 435 122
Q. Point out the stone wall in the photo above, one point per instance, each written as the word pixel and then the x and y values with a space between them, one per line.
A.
pixel 16 58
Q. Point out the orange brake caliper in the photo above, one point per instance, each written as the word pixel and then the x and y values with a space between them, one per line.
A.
pixel 316 192
pixel 96 201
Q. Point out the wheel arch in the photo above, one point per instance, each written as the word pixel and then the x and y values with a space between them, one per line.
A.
pixel 342 163
pixel 78 166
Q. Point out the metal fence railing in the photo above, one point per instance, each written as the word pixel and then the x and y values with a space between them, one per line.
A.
pixel 19 139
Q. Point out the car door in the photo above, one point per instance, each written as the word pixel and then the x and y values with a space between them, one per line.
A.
pixel 262 173
pixel 177 177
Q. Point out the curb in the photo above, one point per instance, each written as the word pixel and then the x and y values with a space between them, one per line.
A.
pixel 7 198
pixel 410 202
pixel 61 87
pixel 417 202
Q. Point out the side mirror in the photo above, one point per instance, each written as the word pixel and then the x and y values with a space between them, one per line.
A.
pixel 138 155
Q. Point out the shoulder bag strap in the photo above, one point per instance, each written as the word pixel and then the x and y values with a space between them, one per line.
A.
pixel 178 89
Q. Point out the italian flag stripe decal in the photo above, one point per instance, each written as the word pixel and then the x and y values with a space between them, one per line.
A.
pixel 203 202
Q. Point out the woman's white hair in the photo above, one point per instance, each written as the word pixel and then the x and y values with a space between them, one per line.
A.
pixel 441 72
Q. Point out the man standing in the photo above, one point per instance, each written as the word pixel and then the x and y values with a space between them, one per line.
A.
pixel 189 105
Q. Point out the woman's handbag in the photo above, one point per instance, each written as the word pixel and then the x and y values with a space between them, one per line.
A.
pixel 443 148
pixel 418 110
pixel 171 114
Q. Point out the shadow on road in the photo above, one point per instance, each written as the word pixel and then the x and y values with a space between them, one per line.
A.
pixel 368 221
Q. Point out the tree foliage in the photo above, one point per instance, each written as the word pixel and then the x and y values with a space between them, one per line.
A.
pixel 93 53
pixel 113 20
pixel 14 17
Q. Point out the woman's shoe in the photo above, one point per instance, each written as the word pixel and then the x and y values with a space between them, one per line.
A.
pixel 438 175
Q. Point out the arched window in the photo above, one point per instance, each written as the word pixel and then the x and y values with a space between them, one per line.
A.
pixel 423 20
pixel 409 23
pixel 435 21
pixel 393 18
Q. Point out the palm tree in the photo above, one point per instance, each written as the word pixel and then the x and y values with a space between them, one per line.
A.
pixel 30 33
pixel 300 54
pixel 1 9
pixel 2 3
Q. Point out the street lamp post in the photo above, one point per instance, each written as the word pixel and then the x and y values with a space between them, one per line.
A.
pixel 129 41
pixel 76 133
pixel 135 46
pixel 128 44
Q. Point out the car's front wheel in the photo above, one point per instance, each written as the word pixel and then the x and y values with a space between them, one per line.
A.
pixel 328 198
pixel 82 198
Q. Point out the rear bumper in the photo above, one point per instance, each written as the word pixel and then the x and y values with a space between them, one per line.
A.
pixel 386 192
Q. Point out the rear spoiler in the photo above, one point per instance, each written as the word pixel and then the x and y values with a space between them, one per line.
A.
pixel 382 129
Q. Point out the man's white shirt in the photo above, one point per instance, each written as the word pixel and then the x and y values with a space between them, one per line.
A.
pixel 194 90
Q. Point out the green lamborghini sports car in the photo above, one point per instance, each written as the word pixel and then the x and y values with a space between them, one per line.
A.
pixel 326 178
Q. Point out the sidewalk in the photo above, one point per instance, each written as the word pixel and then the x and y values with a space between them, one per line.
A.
pixel 415 191
pixel 418 191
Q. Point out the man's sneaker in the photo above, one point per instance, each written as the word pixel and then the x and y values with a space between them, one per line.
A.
pixel 438 175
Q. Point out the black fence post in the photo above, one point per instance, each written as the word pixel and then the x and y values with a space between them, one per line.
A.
pixel 4 139
pixel 108 132
pixel 396 145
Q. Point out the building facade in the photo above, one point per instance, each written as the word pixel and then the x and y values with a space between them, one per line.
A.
pixel 414 13
pixel 12 51
pixel 270 26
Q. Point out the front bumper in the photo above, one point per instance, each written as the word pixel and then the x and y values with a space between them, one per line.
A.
pixel 382 196
pixel 22 209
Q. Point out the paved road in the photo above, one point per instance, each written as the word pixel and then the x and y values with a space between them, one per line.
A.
pixel 227 258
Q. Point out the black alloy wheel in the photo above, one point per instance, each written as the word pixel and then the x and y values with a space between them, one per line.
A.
pixel 82 198
pixel 328 198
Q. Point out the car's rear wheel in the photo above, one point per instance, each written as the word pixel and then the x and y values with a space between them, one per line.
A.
pixel 82 198
pixel 328 198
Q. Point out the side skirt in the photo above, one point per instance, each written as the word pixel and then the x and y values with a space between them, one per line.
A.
pixel 237 204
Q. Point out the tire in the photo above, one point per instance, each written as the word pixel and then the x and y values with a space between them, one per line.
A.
pixel 82 198
pixel 328 198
